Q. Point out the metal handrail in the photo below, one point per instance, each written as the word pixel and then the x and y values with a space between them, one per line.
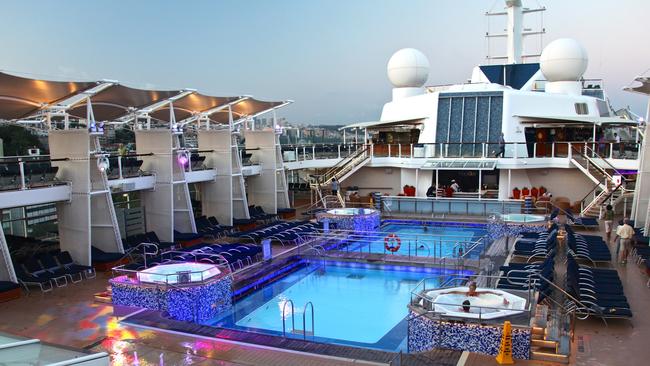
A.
pixel 304 325
pixel 293 321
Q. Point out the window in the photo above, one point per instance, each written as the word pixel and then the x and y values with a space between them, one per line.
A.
pixel 581 108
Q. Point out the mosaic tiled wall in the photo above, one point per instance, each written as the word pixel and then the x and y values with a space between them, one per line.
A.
pixel 187 304
pixel 426 334
pixel 497 229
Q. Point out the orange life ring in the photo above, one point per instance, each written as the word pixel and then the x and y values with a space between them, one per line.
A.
pixel 392 242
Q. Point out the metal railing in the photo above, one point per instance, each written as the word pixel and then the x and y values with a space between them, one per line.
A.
pixel 434 247
pixel 449 206
pixel 293 320
pixel 627 150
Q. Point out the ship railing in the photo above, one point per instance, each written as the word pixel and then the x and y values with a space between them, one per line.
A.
pixel 626 150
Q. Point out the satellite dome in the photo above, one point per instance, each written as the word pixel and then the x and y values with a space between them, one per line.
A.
pixel 408 68
pixel 563 60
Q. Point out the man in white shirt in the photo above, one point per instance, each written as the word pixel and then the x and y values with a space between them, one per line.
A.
pixel 625 232
pixel 455 186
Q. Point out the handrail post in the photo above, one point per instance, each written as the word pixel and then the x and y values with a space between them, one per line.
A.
pixel 553 150
pixel 389 150
pixel 570 151
pixel 399 153
pixel 534 149
pixel 119 166
pixel 338 148
pixel 313 152
pixel 21 166
pixel 304 153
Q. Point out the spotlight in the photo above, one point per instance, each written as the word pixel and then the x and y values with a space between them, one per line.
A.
pixel 182 157
pixel 103 164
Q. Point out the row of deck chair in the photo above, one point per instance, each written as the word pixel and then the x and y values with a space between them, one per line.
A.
pixel 236 255
pixel 594 291
pixel 290 232
pixel 581 221
pixel 210 226
pixel 521 276
pixel 591 247
pixel 47 271
pixel 257 213
pixel 540 246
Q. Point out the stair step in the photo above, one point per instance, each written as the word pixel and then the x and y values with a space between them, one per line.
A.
pixel 550 357
pixel 541 343
pixel 538 330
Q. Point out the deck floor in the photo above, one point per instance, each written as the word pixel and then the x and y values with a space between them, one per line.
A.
pixel 70 317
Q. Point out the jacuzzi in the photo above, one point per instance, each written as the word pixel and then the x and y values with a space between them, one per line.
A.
pixel 179 273
pixel 523 218
pixel 349 211
pixel 489 305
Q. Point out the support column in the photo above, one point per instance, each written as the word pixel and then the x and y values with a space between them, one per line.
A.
pixel 225 198
pixel 168 206
pixel 89 218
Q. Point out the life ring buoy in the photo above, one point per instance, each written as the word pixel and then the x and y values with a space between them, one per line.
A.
pixel 392 242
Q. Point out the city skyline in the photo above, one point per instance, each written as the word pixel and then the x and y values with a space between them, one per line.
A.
pixel 330 57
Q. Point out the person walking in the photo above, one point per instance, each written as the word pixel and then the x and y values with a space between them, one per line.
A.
pixel 625 232
pixel 609 220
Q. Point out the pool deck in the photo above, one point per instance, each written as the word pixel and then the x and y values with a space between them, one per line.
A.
pixel 69 316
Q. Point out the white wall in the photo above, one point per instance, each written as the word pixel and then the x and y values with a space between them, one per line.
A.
pixel 570 183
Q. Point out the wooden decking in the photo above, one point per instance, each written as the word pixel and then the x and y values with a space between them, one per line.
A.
pixel 153 319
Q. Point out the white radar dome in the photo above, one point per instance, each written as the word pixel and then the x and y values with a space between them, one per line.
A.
pixel 408 68
pixel 563 60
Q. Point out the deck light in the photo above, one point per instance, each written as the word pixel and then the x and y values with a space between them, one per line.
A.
pixel 103 164
pixel 182 157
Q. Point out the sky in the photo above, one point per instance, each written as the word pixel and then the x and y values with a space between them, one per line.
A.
pixel 329 56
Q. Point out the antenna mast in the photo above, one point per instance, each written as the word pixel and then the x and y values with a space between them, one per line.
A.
pixel 514 32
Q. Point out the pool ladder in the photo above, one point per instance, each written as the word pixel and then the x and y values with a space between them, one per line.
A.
pixel 293 322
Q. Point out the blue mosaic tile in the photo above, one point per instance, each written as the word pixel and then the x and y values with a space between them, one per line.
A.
pixel 426 334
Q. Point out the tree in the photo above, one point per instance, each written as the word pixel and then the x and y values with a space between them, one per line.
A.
pixel 17 140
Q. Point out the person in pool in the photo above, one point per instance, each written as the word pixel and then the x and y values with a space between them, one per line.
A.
pixel 471 292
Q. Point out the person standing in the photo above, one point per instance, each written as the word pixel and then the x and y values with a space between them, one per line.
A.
pixel 609 220
pixel 621 150
pixel 502 147
pixel 454 186
pixel 335 186
pixel 625 232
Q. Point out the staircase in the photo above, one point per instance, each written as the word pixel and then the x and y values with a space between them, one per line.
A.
pixel 546 337
pixel 607 189
pixel 341 171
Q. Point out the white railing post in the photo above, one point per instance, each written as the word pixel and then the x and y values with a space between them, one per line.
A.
pixel 411 151
pixel 553 150
pixel 534 149
pixel 611 150
pixel 372 151
pixel 570 154
pixel 313 152
pixel 304 153
pixel 119 166
pixel 389 150
pixel 21 166
pixel 399 153
pixel 441 150
pixel 338 148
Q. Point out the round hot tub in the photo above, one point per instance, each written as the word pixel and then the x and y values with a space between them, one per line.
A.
pixel 523 218
pixel 486 304
pixel 179 273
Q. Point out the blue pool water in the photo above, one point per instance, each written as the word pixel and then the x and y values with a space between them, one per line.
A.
pixel 354 304
pixel 433 239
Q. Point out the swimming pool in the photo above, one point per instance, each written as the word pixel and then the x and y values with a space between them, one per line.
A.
pixel 425 239
pixel 355 304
